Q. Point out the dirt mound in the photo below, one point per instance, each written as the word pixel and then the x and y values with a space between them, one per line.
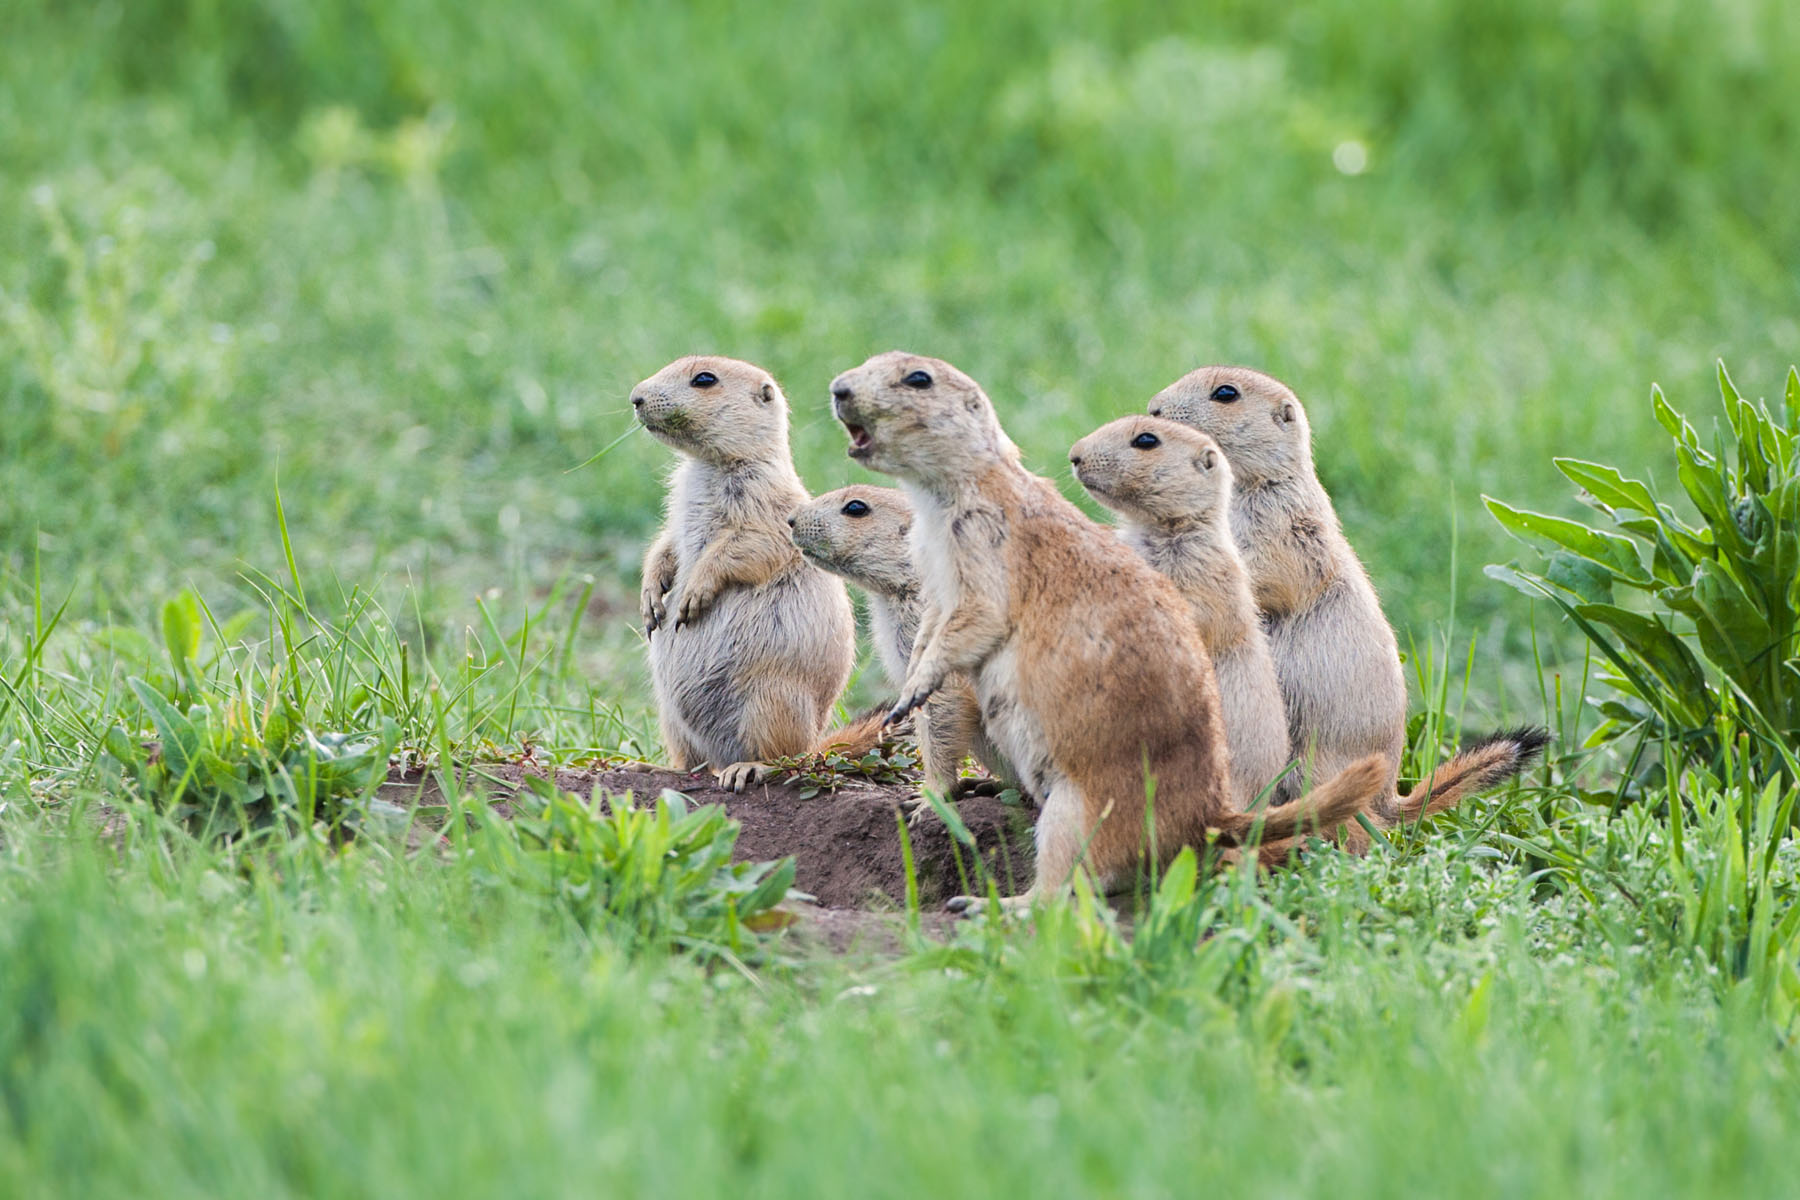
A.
pixel 845 843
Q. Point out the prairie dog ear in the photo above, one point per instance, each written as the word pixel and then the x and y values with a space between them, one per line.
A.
pixel 1207 459
pixel 770 393
pixel 1290 412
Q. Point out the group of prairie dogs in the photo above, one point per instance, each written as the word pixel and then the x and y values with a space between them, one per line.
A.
pixel 1222 643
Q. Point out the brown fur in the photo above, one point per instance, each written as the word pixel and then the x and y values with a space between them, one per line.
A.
pixel 1091 676
pixel 1486 764
pixel 760 643
pixel 862 735
pixel 1171 487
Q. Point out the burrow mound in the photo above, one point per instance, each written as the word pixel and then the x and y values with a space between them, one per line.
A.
pixel 845 843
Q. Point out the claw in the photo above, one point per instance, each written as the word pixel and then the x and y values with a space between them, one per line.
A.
pixel 692 608
pixel 907 705
pixel 739 776
pixel 917 808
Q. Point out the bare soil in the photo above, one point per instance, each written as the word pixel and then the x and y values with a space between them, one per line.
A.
pixel 845 843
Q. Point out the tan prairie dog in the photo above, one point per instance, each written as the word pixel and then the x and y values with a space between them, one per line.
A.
pixel 1092 679
pixel 862 534
pixel 1171 487
pixel 749 645
pixel 1334 650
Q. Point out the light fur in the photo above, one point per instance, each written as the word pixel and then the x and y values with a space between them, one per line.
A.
pixel 1091 677
pixel 1334 651
pixel 1171 487
pixel 869 546
pixel 749 645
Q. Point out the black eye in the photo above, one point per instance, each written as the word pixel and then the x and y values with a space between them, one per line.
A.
pixel 918 379
pixel 704 379
pixel 1224 393
pixel 1146 441
pixel 856 508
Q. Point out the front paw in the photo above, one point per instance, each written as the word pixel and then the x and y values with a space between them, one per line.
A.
pixel 652 609
pixel 739 776
pixel 913 695
pixel 694 602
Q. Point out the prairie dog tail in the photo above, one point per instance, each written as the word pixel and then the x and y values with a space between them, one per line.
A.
pixel 863 734
pixel 1493 760
pixel 1324 809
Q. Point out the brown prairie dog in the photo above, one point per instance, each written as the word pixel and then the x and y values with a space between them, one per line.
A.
pixel 1089 671
pixel 861 533
pixel 1171 487
pixel 749 645
pixel 1334 650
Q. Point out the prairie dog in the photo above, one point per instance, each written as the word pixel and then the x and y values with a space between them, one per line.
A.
pixel 1334 650
pixel 749 645
pixel 1171 487
pixel 861 533
pixel 1091 676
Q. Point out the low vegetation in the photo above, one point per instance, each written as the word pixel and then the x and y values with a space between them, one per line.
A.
pixel 307 312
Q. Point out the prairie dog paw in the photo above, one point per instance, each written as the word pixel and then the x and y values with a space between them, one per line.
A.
pixel 911 700
pixel 739 776
pixel 969 906
pixel 652 609
pixel 918 810
pixel 975 786
pixel 694 603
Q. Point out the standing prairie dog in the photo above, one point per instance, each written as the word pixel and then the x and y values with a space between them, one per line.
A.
pixel 861 534
pixel 1091 676
pixel 1334 650
pixel 1171 486
pixel 749 645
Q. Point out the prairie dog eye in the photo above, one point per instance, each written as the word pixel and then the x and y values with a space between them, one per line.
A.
pixel 856 508
pixel 1146 441
pixel 917 379
pixel 704 379
pixel 1225 393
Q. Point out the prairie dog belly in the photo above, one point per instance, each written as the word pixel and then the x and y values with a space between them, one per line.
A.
pixel 701 671
pixel 1010 726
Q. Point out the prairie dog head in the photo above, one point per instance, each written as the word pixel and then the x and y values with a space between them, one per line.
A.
pixel 917 418
pixel 1155 472
pixel 1255 418
pixel 860 533
pixel 718 409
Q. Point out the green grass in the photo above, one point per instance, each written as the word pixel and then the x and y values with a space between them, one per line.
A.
pixel 367 1025
pixel 404 263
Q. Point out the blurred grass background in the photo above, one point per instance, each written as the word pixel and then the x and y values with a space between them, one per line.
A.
pixel 409 257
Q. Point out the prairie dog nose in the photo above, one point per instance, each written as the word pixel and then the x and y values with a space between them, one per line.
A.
pixel 841 391
pixel 637 402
